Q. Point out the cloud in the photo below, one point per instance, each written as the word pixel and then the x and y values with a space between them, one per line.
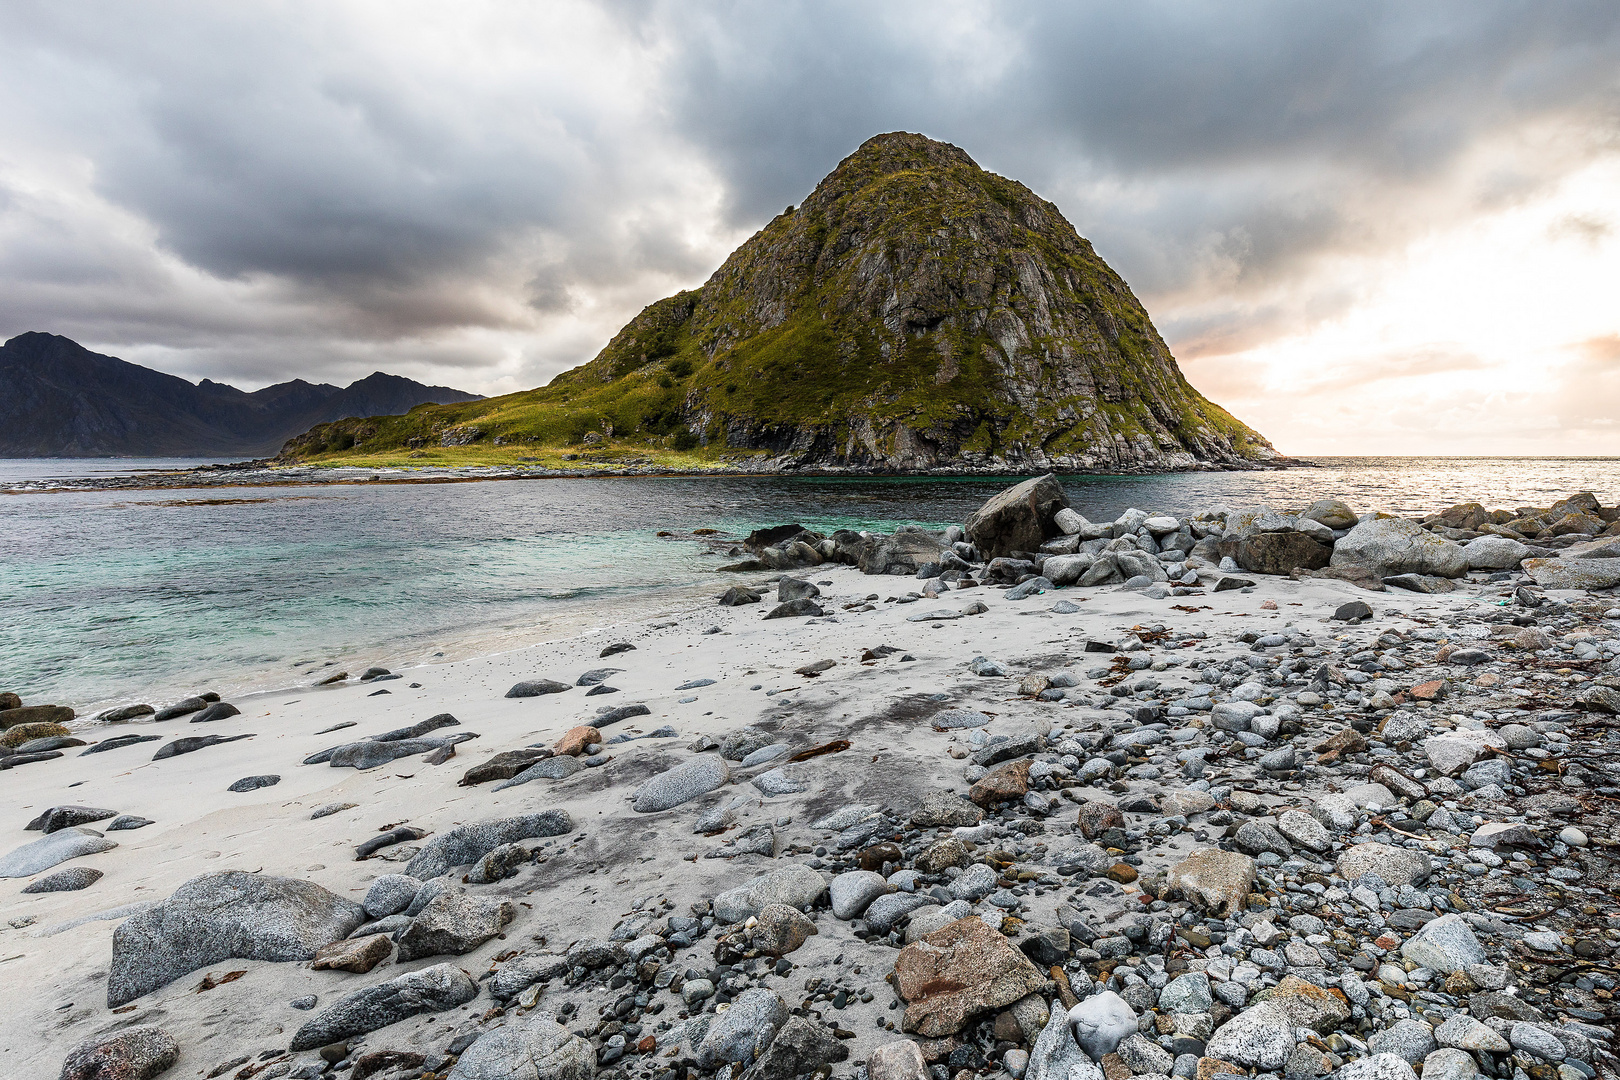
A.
pixel 481 194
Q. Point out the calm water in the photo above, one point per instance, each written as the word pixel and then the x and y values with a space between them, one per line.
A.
pixel 149 595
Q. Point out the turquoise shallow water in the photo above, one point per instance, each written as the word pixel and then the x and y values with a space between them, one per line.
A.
pixel 147 595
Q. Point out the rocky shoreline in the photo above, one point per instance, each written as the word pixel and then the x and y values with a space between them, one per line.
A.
pixel 1248 793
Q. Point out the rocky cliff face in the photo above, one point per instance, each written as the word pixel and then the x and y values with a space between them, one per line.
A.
pixel 59 399
pixel 917 311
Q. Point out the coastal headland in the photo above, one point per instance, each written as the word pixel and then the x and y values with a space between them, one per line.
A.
pixel 1270 791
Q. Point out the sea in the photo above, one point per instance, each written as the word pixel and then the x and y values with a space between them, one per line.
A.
pixel 131 595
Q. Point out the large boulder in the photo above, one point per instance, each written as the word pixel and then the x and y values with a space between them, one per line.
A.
pixel 1213 879
pixel 136 1053
pixel 231 915
pixel 1495 553
pixel 796 886
pixel 468 843
pixel 534 1048
pixel 1391 546
pixel 742 1032
pixel 1333 513
pixel 35 714
pixel 905 552
pixel 1017 519
pixel 685 782
pixel 1276 552
pixel 454 923
pixel 1574 573
pixel 433 989
pixel 58 847
pixel 958 973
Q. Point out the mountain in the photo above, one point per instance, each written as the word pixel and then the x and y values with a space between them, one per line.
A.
pixel 916 312
pixel 59 399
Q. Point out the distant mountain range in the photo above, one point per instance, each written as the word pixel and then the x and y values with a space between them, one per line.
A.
pixel 59 399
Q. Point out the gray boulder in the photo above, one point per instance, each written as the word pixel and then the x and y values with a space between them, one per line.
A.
pixel 537 688
pixel 1390 546
pixel 1445 944
pixel 1261 1036
pixel 224 916
pixel 433 989
pixel 136 1053
pixel 1056 1055
pixel 742 1032
pixel 58 847
pixel 389 895
pixel 67 817
pixel 681 784
pixel 1574 573
pixel 468 843
pixel 1495 553
pixel 800 1047
pixel 796 886
pixel 535 1048
pixel 454 923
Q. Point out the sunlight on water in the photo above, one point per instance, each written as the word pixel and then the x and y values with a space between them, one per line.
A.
pixel 147 595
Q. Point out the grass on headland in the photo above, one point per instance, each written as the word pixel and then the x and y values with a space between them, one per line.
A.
pixel 605 458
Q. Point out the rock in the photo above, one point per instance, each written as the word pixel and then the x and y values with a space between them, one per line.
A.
pixel 549 768
pixel 219 710
pixel 1017 519
pixel 1502 834
pixel 135 1053
pixel 681 784
pixel 1331 512
pixel 1009 781
pixel 181 708
pixel 128 821
pixel 1445 944
pixel 1409 1040
pixel 1445 1064
pixel 224 916
pixel 1308 1005
pixel 432 989
pixel 975 883
pixel 191 745
pixel 398 835
pixel 1376 1067
pixel 958 973
pixel 853 890
pixel 119 742
pixel 20 734
pixel 1276 552
pixel 902 1060
pixel 1232 584
pixel 737 596
pixel 796 886
pixel 468 843
pixel 1066 569
pixel 59 847
pixel 254 783
pixel 1143 1057
pixel 792 588
pixel 1463 1032
pixel 454 923
pixel 780 930
pixel 1056 1056
pixel 1533 1040
pixel 1260 1035
pixel 358 955
pixel 371 753
pixel 947 809
pixel 389 895
pixel 1571 573
pixel 72 879
pixel 55 715
pixel 800 1048
pixel 537 688
pixel 1304 830
pixel 1354 611
pixel 1101 1022
pixel 577 741
pixel 742 1032
pixel 1392 546
pixel 1097 817
pixel 1495 553
pixel 1187 993
pixel 504 765
pixel 886 912
pixel 1428 584
pixel 1397 866
pixel 66 817
pixel 802 608
pixel 1213 879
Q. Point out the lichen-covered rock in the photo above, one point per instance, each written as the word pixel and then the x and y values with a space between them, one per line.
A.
pixel 224 916
pixel 1389 546
pixel 136 1053
pixel 534 1048
pixel 1213 879
pixel 681 784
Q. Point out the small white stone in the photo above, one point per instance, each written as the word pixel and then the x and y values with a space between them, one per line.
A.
pixel 1573 837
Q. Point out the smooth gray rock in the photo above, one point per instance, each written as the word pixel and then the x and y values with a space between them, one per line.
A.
pixel 254 783
pixel 72 879
pixel 683 783
pixel 135 1053
pixel 885 913
pixel 1397 866
pixel 1391 546
pixel 851 892
pixel 1056 1055
pixel 468 843
pixel 742 1032
pixel 433 989
pixel 1445 944
pixel 58 847
pixel 534 1048
pixel 559 767
pixel 1533 1040
pixel 219 710
pixel 1376 1067
pixel 780 782
pixel 1101 1022
pixel 1187 993
pixel 1452 1064
pixel 801 1047
pixel 1463 1032
pixel 537 688
pixel 796 886
pixel 1409 1040
pixel 224 916
pixel 389 895
pixel 369 753
pixel 517 975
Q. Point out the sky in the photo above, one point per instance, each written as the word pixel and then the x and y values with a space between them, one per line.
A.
pixel 1364 228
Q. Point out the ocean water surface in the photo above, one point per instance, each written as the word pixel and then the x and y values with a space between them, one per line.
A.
pixel 125 595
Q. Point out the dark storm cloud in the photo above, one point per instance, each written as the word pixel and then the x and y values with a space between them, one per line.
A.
pixel 256 191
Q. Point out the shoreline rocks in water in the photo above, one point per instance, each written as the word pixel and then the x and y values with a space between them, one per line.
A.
pixel 1214 807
